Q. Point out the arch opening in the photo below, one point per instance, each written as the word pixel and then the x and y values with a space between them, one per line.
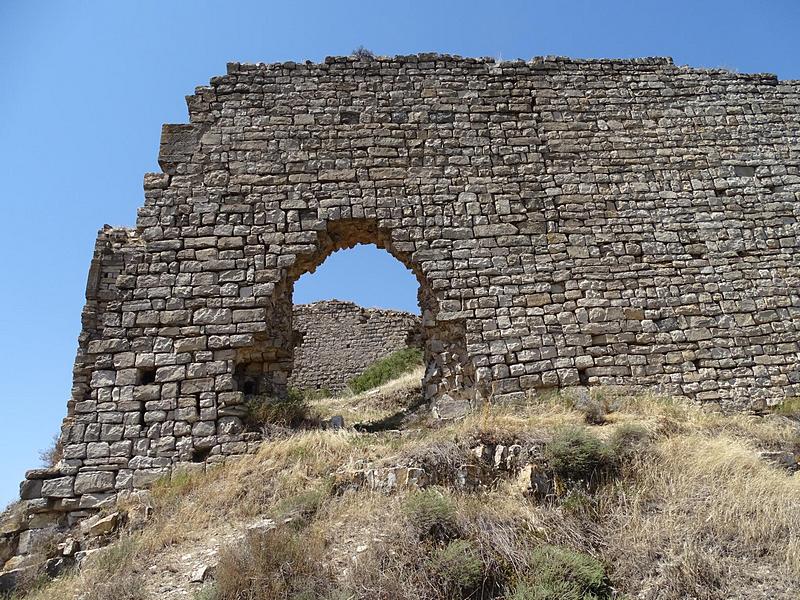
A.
pixel 269 365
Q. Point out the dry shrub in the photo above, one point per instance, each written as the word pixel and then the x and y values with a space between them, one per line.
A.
pixel 291 411
pixel 112 574
pixel 399 396
pixel 53 454
pixel 432 513
pixel 279 563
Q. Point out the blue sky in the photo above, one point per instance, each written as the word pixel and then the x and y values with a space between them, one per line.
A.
pixel 86 86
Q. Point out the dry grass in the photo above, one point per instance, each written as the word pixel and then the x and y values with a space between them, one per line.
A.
pixel 373 405
pixel 702 511
pixel 691 511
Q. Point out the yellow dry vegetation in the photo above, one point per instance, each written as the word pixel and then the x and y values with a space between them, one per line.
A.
pixel 696 512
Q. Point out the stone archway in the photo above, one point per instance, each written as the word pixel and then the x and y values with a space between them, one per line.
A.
pixel 449 379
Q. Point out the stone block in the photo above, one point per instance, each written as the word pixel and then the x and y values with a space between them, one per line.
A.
pixel 60 487
pixel 99 481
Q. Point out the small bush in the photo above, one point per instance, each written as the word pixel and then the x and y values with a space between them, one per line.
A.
pixel 432 513
pixel 595 412
pixel 558 573
pixel 279 563
pixel 53 454
pixel 457 568
pixel 386 369
pixel 576 456
pixel 291 411
pixel 362 52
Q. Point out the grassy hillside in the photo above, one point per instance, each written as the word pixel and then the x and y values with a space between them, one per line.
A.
pixel 628 497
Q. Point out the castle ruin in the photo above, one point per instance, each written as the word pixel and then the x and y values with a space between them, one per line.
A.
pixel 570 223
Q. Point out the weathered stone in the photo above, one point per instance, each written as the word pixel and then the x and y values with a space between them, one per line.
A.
pixel 62 487
pixel 98 526
pixel 30 489
pixel 99 481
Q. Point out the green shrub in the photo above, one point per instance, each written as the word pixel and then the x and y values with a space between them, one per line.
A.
pixel 432 513
pixel 387 369
pixel 575 455
pixel 457 568
pixel 209 592
pixel 291 411
pixel 171 488
pixel 558 573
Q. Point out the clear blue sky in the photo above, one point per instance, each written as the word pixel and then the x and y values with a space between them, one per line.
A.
pixel 86 86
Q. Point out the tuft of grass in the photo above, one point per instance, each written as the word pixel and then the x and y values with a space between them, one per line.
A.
pixel 112 573
pixel 432 513
pixel 291 411
pixel 558 573
pixel 302 506
pixel 170 489
pixel 629 439
pixel 575 456
pixel 207 592
pixel 790 407
pixel 279 563
pixel 386 369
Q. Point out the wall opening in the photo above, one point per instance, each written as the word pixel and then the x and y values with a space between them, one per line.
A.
pixel 269 365
pixel 360 306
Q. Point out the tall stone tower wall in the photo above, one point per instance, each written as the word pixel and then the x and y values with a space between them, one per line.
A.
pixel 569 222
pixel 339 340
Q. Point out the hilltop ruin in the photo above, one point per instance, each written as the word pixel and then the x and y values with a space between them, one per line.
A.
pixel 570 222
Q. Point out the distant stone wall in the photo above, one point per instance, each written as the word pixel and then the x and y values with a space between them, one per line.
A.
pixel 341 339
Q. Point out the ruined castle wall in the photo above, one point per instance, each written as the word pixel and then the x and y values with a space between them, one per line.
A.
pixel 340 340
pixel 570 223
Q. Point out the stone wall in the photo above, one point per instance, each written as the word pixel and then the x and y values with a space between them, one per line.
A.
pixel 339 340
pixel 569 222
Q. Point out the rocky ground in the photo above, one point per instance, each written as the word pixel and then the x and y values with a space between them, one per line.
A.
pixel 579 495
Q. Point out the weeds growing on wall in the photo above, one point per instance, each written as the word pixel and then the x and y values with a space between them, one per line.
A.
pixel 51 455
pixel 789 407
